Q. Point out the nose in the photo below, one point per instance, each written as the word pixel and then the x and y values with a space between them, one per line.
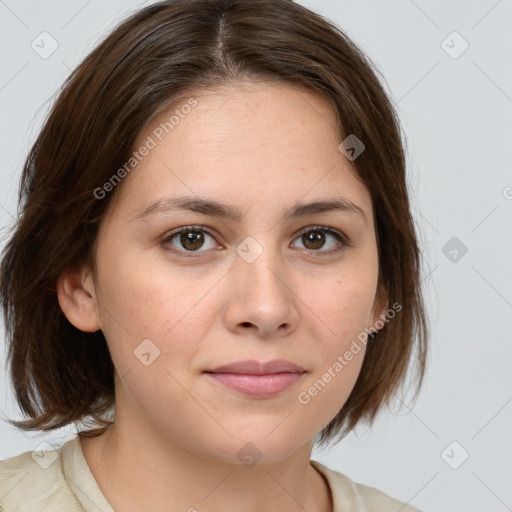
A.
pixel 261 298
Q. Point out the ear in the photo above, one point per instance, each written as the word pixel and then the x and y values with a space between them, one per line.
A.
pixel 77 298
pixel 378 313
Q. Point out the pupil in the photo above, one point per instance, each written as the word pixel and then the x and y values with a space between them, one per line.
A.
pixel 192 240
pixel 314 237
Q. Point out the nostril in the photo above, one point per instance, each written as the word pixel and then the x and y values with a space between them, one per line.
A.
pixel 246 324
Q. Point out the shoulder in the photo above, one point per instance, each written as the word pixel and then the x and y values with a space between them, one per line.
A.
pixel 34 480
pixel 356 497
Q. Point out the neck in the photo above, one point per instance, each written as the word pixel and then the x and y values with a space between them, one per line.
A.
pixel 136 472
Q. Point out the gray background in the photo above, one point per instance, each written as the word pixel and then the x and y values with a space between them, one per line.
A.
pixel 456 110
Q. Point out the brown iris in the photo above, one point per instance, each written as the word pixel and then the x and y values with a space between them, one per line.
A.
pixel 192 240
pixel 317 238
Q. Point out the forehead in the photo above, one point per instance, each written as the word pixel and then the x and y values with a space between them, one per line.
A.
pixel 251 143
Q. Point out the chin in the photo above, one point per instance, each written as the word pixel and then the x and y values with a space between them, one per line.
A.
pixel 263 445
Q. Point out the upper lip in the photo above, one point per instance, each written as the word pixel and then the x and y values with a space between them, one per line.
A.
pixel 256 368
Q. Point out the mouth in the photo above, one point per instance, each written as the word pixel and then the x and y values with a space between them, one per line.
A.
pixel 258 386
pixel 258 380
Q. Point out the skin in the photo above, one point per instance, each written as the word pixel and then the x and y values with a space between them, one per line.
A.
pixel 260 148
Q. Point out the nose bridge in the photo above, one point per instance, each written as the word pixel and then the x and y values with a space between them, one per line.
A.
pixel 260 294
pixel 260 271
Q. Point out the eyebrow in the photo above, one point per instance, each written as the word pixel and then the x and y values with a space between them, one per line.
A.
pixel 220 210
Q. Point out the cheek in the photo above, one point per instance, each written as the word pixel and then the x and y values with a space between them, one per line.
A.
pixel 339 356
pixel 340 310
pixel 139 303
pixel 342 304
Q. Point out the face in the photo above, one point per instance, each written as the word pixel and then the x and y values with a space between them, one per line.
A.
pixel 242 270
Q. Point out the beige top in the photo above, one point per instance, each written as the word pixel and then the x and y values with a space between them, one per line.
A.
pixel 61 481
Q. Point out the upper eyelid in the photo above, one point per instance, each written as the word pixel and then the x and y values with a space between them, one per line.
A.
pixel 344 238
pixel 318 227
pixel 182 229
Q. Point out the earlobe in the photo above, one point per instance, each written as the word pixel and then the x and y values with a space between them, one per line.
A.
pixel 75 292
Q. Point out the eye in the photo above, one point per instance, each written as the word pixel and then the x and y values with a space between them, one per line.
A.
pixel 317 237
pixel 190 239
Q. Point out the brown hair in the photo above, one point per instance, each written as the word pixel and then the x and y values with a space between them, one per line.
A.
pixel 62 375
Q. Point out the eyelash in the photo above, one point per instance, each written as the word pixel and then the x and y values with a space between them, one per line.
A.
pixel 340 237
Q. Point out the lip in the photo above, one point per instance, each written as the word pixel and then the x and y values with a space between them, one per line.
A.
pixel 251 367
pixel 256 379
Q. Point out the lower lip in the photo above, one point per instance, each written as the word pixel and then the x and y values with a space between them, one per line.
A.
pixel 260 386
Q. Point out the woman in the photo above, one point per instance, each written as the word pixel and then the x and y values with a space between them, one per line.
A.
pixel 215 262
